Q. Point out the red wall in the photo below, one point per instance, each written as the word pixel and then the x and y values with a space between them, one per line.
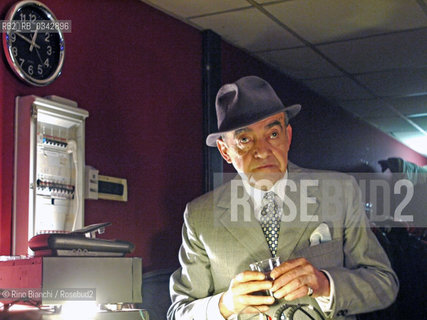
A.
pixel 137 72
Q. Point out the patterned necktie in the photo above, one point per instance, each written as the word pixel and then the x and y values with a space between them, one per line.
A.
pixel 270 221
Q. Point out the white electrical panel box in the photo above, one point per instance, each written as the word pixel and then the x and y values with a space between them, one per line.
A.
pixel 49 168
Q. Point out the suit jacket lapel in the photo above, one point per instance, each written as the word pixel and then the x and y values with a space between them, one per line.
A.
pixel 241 222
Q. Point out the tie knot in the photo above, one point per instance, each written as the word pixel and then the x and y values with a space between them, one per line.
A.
pixel 269 197
pixel 269 204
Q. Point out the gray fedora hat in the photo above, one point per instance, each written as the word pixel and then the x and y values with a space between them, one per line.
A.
pixel 244 102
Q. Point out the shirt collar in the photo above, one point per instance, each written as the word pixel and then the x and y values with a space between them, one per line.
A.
pixel 257 194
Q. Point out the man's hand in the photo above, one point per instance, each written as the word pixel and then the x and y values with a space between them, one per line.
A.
pixel 238 296
pixel 293 277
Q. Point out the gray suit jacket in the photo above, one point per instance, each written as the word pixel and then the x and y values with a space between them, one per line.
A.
pixel 222 236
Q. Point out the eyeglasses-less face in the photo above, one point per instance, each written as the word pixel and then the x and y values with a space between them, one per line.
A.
pixel 260 150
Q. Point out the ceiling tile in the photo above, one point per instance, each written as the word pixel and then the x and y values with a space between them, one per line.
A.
pixel 368 108
pixel 269 1
pixel 410 105
pixel 407 134
pixel 391 124
pixel 338 88
pixel 331 20
pixel 248 29
pixel 183 9
pixel 397 50
pixel 421 121
pixel 300 63
pixel 396 82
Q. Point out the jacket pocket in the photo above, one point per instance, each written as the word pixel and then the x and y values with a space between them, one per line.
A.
pixel 324 255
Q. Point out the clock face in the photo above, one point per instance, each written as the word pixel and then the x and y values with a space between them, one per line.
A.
pixel 33 47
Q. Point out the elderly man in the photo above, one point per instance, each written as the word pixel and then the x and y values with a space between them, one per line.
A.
pixel 332 266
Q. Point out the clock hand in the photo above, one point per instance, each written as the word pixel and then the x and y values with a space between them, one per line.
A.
pixel 26 39
pixel 33 41
pixel 21 36
pixel 40 58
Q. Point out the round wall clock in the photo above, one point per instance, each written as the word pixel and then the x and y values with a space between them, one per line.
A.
pixel 33 43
